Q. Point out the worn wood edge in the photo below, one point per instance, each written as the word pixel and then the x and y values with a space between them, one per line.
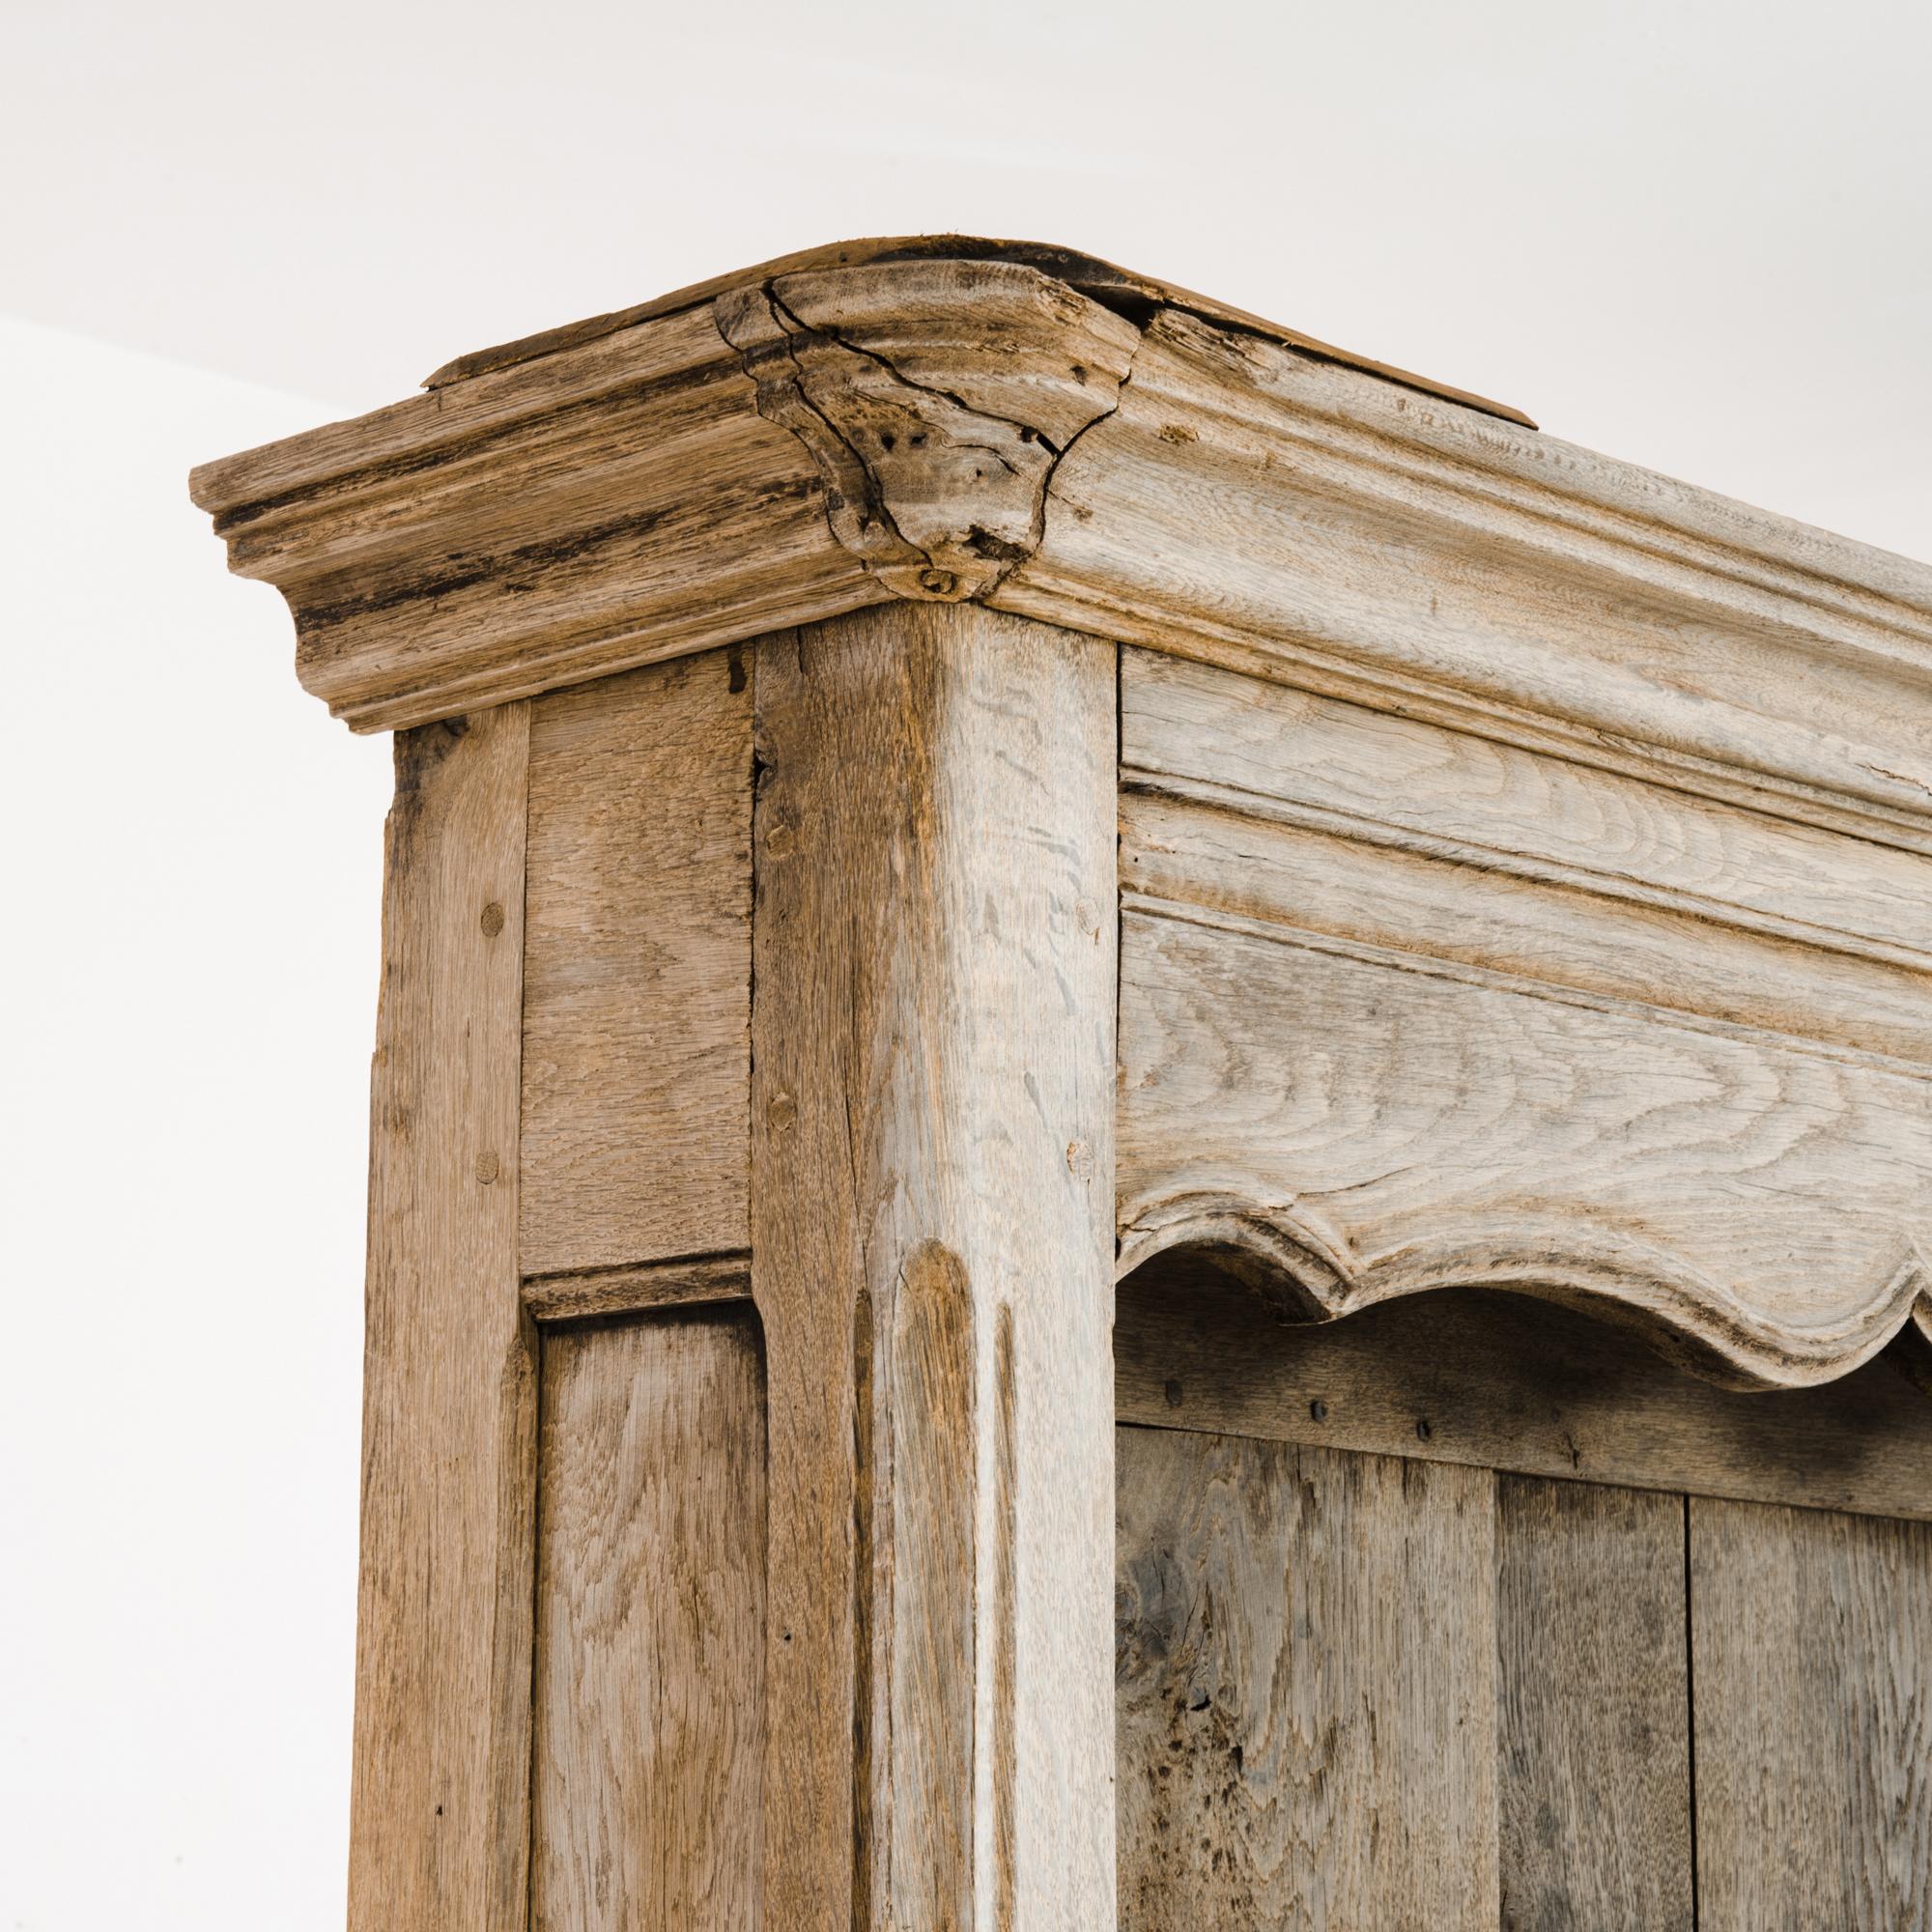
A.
pixel 454 853
pixel 1198 1304
pixel 1102 281
pixel 771 603
pixel 894 746
pixel 1306 1272
pixel 687 1281
pixel 1689 554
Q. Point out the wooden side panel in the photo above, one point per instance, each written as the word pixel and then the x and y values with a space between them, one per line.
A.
pixel 1504 1382
pixel 1306 1683
pixel 1595 1764
pixel 636 1043
pixel 650 1627
pixel 1812 1662
pixel 440 1820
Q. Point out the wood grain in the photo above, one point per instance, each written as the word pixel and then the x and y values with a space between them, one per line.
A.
pixel 685 1281
pixel 440 1824
pixel 932 1077
pixel 537 528
pixel 617 499
pixel 1507 1381
pixel 1812 1658
pixel 1306 1681
pixel 637 975
pixel 1382 777
pixel 935 400
pixel 1122 290
pixel 1593 1729
pixel 1372 1123
pixel 650 1627
pixel 1453 906
pixel 1275 514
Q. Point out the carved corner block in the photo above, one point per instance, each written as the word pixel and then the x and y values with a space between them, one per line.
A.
pixel 935 405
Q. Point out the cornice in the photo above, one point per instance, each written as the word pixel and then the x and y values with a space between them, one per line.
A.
pixel 952 419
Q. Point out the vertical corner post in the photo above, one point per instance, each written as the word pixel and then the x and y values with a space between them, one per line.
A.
pixel 933 1017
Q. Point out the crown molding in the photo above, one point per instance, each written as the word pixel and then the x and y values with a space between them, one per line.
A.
pixel 954 420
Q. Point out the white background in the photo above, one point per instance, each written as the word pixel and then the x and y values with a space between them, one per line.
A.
pixel 1698 236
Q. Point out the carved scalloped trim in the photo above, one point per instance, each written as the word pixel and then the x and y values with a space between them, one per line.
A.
pixel 1306 1272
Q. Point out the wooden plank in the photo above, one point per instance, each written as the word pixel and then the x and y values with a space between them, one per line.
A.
pixel 1502 1381
pixel 440 1824
pixel 1439 902
pixel 932 1259
pixel 1490 803
pixel 1594 1749
pixel 1306 1680
pixel 1380 1122
pixel 637 1001
pixel 650 1627
pixel 1813 1672
pixel 687 1282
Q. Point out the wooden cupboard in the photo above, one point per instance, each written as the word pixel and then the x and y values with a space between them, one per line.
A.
pixel 937 778
pixel 1468 1612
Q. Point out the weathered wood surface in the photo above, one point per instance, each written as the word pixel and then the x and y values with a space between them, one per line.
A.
pixel 550 525
pixel 1306 1684
pixel 1264 510
pixel 440 1824
pixel 1122 290
pixel 1475 911
pixel 936 406
pixel 1592 1732
pixel 1812 1660
pixel 693 1281
pixel 1374 1122
pixel 931 1257
pixel 1502 1381
pixel 1388 778
pixel 1231 499
pixel 650 1627
pixel 637 962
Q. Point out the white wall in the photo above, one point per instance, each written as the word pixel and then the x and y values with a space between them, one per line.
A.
pixel 190 972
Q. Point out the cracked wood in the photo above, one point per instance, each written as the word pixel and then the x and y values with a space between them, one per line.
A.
pixel 936 420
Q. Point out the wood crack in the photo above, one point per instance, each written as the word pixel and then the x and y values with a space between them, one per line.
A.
pixel 937 489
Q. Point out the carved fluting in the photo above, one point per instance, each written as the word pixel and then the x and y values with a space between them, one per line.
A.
pixel 935 405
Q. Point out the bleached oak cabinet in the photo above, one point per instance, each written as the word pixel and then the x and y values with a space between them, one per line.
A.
pixel 941 782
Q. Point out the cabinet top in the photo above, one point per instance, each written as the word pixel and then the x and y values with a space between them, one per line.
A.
pixel 1122 290
pixel 949 419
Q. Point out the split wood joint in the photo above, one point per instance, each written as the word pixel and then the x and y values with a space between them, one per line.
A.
pixel 933 775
